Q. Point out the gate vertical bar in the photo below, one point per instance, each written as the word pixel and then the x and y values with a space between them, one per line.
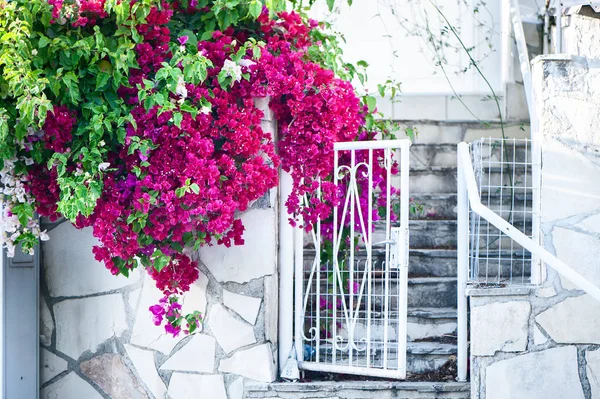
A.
pixel 350 287
pixel 335 257
pixel 369 263
pixel 462 263
pixel 386 267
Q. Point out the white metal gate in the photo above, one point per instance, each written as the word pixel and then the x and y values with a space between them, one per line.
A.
pixel 351 271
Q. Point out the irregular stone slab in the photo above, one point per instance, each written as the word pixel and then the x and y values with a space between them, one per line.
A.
pixel 195 298
pixel 230 332
pixel 186 386
pixel 567 178
pixel 143 361
pixel 133 297
pixel 197 355
pixel 245 306
pixel 144 332
pixel 236 389
pixel 499 327
pixel 50 365
pixel 591 224
pixel 83 324
pixel 593 371
pixel 255 363
pixel 546 292
pixel 574 320
pixel 70 386
pixel 580 251
pixel 111 374
pixel 256 258
pixel 552 373
pixel 46 323
pixel 70 266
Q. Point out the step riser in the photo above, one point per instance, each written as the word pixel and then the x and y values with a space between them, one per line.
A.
pixel 358 390
pixel 418 328
pixel 444 155
pixel 434 295
pixel 422 295
pixel 444 207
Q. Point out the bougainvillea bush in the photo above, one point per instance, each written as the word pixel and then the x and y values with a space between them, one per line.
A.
pixel 137 118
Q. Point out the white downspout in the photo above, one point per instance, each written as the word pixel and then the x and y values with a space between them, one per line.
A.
pixel 286 272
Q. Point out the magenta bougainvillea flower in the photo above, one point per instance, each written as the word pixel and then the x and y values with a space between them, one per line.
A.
pixel 186 153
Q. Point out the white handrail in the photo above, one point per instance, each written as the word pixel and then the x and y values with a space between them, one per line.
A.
pixel 473 194
pixel 468 194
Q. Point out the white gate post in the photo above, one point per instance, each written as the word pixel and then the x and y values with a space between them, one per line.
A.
pixel 462 265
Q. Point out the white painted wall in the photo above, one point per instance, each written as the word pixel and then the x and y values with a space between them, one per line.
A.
pixel 374 33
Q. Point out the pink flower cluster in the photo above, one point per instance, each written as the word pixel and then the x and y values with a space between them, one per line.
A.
pixel 79 13
pixel 175 186
pixel 57 128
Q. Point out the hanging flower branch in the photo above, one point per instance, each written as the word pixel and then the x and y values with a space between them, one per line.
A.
pixel 137 118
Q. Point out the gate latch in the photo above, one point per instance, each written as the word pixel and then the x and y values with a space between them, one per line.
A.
pixel 398 248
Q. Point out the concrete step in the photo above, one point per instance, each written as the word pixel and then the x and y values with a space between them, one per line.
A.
pixel 442 263
pixel 444 155
pixel 421 357
pixel 359 390
pixel 442 180
pixel 443 206
pixel 430 323
pixel 431 292
pixel 423 292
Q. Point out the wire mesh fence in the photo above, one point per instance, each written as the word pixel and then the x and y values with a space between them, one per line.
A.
pixel 505 178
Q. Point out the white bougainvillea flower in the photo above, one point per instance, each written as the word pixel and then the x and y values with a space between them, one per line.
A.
pixel 233 70
pixel 180 90
pixel 103 166
pixel 247 63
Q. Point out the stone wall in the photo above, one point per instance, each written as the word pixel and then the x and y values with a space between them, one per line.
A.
pixel 544 342
pixel 98 340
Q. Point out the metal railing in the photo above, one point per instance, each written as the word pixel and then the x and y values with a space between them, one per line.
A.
pixel 469 202
pixel 503 170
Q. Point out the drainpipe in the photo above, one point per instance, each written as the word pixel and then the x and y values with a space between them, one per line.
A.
pixel 286 272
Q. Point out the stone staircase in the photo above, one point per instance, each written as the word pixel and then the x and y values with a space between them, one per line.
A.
pixel 432 290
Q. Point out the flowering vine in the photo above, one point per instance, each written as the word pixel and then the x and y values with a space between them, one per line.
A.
pixel 137 118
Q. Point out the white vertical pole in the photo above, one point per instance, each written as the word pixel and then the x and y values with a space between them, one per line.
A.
pixel 286 272
pixel 558 38
pixel 463 263
pixel 403 241
pixel 298 293
pixel 2 388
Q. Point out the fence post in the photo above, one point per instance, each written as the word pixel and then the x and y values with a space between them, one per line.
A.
pixel 462 262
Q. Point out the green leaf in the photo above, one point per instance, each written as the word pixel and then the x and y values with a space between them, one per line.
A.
pixel 160 260
pixel 101 80
pixel 195 188
pixel 44 41
pixel 177 118
pixel 330 4
pixel 371 103
pixel 255 8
